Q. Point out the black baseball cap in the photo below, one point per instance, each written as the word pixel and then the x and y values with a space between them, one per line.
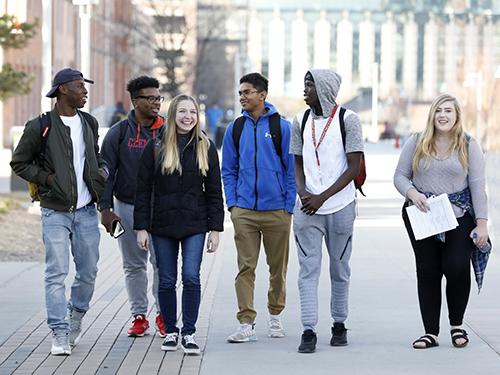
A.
pixel 64 76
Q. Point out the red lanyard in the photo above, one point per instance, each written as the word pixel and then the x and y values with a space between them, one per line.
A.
pixel 323 134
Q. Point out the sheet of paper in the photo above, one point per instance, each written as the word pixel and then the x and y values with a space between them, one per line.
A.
pixel 440 218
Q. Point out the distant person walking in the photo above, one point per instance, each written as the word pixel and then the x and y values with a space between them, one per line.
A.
pixel 260 194
pixel 214 116
pixel 443 159
pixel 403 130
pixel 178 200
pixel 122 148
pixel 119 114
pixel 325 168
pixel 70 182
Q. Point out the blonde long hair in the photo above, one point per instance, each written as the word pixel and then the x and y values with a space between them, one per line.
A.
pixel 169 146
pixel 425 142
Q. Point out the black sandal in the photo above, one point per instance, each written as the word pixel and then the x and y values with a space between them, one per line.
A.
pixel 428 340
pixel 460 334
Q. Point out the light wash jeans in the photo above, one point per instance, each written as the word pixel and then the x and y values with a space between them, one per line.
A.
pixel 167 253
pixel 81 230
pixel 135 262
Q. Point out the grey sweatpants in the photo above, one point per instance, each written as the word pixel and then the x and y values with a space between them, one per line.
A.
pixel 135 262
pixel 309 231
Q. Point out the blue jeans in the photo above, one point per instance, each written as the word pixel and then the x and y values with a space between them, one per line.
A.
pixel 167 251
pixel 81 229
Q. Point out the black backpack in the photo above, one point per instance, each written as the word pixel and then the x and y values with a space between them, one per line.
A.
pixel 45 125
pixel 359 181
pixel 274 128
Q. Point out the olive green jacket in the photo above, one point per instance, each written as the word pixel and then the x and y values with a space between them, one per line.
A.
pixel 62 195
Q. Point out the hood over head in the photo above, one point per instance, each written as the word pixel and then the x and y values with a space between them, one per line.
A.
pixel 327 84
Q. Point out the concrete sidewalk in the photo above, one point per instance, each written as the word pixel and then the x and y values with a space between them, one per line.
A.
pixel 384 318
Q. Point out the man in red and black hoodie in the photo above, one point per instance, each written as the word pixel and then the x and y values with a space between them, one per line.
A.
pixel 122 148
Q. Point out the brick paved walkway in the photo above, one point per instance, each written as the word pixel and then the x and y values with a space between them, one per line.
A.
pixel 105 347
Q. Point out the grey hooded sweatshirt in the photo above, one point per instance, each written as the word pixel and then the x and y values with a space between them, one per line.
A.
pixel 327 84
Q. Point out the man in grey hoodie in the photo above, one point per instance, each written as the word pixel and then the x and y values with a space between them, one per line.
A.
pixel 325 168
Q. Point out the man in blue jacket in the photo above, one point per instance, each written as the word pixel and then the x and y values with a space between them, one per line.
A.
pixel 260 195
pixel 122 148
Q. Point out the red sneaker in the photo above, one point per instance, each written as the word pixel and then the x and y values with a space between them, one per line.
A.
pixel 160 326
pixel 140 326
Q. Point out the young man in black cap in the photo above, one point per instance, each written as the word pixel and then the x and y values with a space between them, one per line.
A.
pixel 70 182
pixel 122 148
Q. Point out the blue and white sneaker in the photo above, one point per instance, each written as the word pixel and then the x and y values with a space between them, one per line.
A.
pixel 245 333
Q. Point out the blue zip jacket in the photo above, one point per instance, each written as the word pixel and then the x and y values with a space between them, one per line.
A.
pixel 257 181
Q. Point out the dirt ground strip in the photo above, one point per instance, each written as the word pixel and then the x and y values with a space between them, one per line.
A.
pixel 20 230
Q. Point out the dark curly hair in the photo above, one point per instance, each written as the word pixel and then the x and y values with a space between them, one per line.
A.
pixel 257 80
pixel 134 86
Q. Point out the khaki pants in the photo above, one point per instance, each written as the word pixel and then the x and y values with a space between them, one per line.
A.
pixel 274 227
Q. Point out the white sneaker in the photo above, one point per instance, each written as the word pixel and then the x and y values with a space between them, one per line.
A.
pixel 75 326
pixel 245 332
pixel 275 326
pixel 60 344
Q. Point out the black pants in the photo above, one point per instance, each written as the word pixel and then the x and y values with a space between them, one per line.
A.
pixel 435 259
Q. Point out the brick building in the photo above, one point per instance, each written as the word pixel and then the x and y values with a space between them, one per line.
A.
pixel 108 40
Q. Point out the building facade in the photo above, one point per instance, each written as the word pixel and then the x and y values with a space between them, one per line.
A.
pixel 414 49
pixel 420 50
pixel 108 40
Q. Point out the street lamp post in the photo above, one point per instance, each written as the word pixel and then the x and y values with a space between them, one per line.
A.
pixel 85 14
pixel 479 104
pixel 479 98
pixel 46 54
pixel 374 128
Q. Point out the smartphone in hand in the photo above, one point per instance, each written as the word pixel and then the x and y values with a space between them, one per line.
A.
pixel 118 229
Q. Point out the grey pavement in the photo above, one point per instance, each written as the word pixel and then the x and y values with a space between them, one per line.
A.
pixel 384 317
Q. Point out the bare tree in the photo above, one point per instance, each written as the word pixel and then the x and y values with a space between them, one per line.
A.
pixel 214 70
pixel 193 49
pixel 172 31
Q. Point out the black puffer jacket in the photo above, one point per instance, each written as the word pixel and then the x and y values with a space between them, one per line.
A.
pixel 184 205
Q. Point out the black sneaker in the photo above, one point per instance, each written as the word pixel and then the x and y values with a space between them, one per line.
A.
pixel 189 344
pixel 308 342
pixel 339 335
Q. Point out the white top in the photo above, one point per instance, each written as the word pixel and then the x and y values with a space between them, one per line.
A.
pixel 332 157
pixel 75 125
